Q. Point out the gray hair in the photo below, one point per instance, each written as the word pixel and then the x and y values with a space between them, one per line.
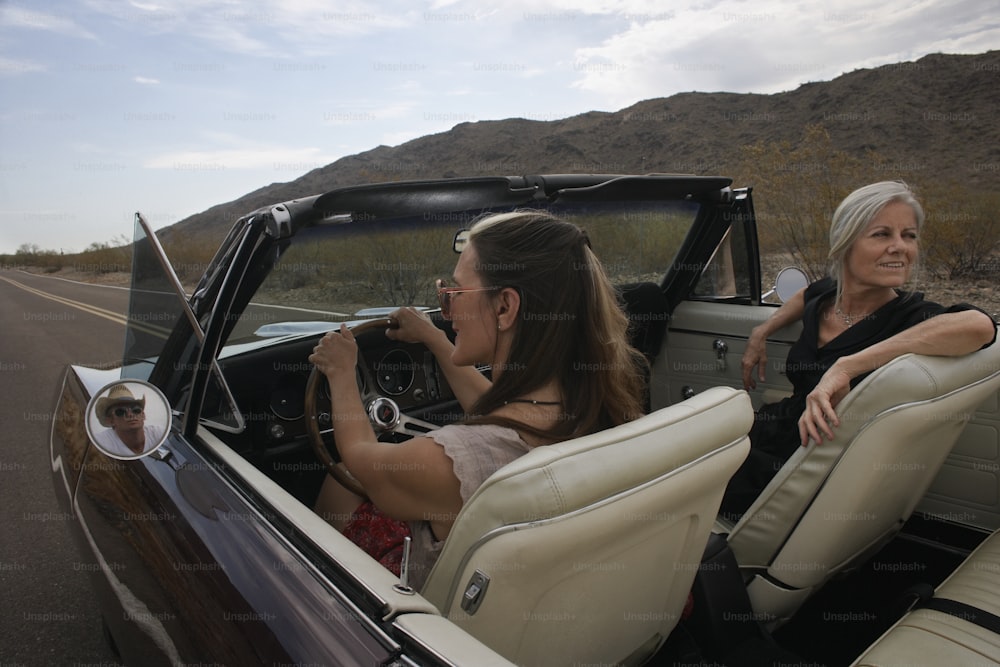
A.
pixel 855 213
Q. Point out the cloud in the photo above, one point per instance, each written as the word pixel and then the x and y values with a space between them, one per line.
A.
pixel 146 6
pixel 12 66
pixel 278 158
pixel 146 81
pixel 768 46
pixel 367 112
pixel 16 17
pixel 266 28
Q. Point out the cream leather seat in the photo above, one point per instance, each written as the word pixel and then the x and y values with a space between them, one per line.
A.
pixel 586 550
pixel 832 506
pixel 926 637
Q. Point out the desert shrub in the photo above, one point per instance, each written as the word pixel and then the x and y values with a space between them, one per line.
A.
pixel 101 258
pixel 798 187
pixel 189 255
pixel 400 268
pixel 796 190
pixel 29 254
pixel 962 235
pixel 638 244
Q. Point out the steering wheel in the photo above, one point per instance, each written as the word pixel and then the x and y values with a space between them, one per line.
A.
pixel 384 413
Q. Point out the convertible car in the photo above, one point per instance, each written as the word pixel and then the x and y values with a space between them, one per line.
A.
pixel 205 548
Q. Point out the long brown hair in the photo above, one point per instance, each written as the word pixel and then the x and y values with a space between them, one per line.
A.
pixel 570 327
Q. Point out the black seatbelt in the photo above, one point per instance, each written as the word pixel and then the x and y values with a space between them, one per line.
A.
pixel 967 612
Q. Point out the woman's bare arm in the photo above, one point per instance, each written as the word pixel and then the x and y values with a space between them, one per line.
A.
pixel 755 355
pixel 946 335
pixel 416 327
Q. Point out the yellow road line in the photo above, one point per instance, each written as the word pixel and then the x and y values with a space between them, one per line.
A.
pixel 111 315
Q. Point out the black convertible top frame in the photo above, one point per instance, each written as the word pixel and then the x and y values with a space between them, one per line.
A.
pixel 415 198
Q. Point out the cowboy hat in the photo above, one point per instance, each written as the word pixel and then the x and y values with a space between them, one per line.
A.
pixel 117 395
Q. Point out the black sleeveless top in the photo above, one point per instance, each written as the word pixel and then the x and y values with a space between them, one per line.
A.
pixel 774 436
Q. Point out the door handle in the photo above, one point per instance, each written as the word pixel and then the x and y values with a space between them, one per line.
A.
pixel 721 348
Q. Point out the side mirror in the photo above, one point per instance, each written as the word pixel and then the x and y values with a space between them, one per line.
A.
pixel 789 280
pixel 461 240
pixel 128 419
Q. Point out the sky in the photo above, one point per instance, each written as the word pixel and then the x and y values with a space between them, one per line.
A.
pixel 168 107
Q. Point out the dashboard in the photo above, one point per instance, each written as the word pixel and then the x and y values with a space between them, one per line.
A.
pixel 269 386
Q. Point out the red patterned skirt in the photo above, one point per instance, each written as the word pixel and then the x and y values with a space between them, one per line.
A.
pixel 380 536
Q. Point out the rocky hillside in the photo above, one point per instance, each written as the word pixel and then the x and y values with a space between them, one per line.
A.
pixel 939 115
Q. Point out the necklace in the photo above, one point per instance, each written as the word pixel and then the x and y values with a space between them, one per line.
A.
pixel 849 320
pixel 531 401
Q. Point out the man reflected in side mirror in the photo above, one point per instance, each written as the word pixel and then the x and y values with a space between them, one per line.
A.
pixel 124 416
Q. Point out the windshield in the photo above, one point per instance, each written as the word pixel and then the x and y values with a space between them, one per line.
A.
pixel 344 272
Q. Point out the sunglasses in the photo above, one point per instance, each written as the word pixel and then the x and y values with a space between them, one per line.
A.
pixel 122 411
pixel 446 294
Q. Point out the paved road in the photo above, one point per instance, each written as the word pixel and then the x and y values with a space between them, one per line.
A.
pixel 48 615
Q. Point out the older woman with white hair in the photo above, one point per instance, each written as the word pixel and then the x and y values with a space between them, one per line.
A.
pixel 853 322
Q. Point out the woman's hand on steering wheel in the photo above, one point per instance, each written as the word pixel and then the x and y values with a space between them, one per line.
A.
pixel 336 352
pixel 410 325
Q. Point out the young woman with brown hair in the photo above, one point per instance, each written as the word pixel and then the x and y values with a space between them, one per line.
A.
pixel 533 302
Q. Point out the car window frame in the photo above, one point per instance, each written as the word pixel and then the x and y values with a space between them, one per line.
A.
pixel 741 232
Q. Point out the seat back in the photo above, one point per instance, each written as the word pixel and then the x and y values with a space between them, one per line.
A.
pixel 833 505
pixel 648 311
pixel 590 546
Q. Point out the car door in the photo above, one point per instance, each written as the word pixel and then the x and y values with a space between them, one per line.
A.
pixel 189 571
pixel 707 335
pixel 710 325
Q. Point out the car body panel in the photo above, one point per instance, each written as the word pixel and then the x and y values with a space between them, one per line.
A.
pixel 967 490
pixel 195 573
pixel 692 358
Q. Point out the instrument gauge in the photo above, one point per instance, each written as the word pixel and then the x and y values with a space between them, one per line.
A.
pixel 394 372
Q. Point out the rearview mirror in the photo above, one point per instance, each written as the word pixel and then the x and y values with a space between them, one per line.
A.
pixel 461 240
